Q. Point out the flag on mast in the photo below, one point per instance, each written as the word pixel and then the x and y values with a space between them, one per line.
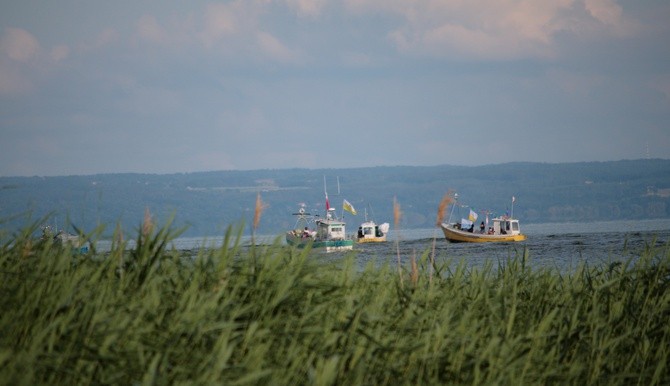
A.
pixel 346 205
pixel 472 216
pixel 325 191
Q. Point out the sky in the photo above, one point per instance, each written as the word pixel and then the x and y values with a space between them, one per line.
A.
pixel 175 86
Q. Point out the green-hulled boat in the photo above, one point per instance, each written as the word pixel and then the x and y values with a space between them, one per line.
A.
pixel 324 234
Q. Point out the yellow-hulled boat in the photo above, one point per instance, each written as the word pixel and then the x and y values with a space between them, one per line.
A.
pixel 370 232
pixel 503 230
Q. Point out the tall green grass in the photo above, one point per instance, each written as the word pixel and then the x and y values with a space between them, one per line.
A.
pixel 276 315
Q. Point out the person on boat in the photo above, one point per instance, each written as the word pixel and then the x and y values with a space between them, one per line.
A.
pixel 482 227
pixel 472 228
pixel 305 233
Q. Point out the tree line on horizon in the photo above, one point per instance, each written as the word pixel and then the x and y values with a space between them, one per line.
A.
pixel 206 203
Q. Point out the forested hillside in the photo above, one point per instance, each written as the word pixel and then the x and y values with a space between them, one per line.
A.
pixel 206 203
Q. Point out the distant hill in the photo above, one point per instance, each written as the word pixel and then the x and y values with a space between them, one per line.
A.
pixel 208 202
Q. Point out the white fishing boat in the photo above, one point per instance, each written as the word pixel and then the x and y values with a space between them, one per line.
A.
pixel 65 239
pixel 327 234
pixel 371 232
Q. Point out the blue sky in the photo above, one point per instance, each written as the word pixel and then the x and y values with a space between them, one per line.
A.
pixel 92 87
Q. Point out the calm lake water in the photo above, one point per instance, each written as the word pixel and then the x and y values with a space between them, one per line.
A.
pixel 556 245
pixel 562 246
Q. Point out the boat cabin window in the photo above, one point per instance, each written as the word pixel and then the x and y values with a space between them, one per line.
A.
pixel 367 231
pixel 515 226
pixel 336 233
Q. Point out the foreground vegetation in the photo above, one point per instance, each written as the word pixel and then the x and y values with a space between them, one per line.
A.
pixel 274 315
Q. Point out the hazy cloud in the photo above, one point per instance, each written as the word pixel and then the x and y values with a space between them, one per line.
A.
pixel 275 49
pixel 19 45
pixel 482 29
pixel 605 11
pixel 149 29
pixel 60 53
pixel 310 8
pixel 187 86
pixel 106 36
pixel 19 51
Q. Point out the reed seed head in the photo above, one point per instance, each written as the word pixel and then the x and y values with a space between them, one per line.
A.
pixel 446 200
pixel 397 213
pixel 415 270
pixel 118 234
pixel 147 224
pixel 258 211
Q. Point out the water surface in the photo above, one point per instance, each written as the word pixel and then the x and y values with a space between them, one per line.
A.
pixel 556 245
pixel 563 245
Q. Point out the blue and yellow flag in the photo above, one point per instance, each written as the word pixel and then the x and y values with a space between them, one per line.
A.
pixel 346 205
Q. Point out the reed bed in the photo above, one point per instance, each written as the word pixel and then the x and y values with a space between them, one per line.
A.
pixel 282 316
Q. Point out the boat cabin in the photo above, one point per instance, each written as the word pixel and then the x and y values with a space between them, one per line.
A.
pixel 502 226
pixel 369 230
pixel 330 230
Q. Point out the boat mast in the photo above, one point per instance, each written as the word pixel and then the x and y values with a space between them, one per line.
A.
pixel 325 192
pixel 341 217
pixel 452 207
pixel 487 213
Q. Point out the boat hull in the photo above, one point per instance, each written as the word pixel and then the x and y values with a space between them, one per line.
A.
pixel 380 239
pixel 460 236
pixel 320 245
